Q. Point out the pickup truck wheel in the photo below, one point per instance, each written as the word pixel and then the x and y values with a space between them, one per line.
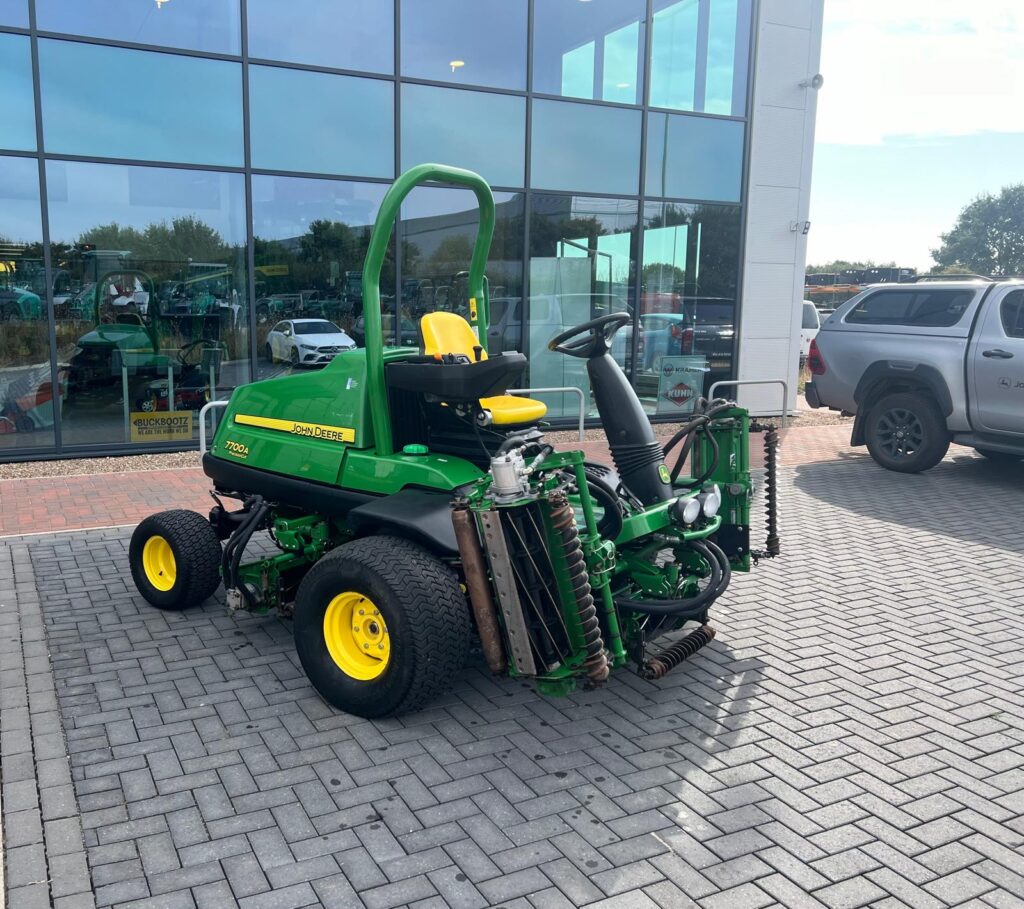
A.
pixel 999 457
pixel 906 433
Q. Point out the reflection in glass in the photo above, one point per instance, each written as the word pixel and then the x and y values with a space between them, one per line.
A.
pixel 14 12
pixel 582 265
pixel 589 50
pixel 699 55
pixel 311 238
pixel 694 157
pixel 16 97
pixel 688 287
pixel 204 25
pixel 358 36
pixel 120 103
pixel 26 389
pixel 153 317
pixel 493 147
pixel 321 123
pixel 438 228
pixel 585 147
pixel 447 41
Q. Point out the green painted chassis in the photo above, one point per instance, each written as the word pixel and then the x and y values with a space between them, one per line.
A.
pixel 352 391
pixel 627 561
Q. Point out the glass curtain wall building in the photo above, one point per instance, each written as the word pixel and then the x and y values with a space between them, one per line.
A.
pixel 187 189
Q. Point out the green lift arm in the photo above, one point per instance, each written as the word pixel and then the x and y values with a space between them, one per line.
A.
pixel 379 238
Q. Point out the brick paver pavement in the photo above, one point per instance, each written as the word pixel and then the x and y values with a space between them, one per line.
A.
pixel 112 499
pixel 854 737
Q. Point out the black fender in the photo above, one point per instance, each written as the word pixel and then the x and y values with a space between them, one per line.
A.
pixel 883 378
pixel 421 515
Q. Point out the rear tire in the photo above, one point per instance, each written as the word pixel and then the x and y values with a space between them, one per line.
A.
pixel 175 559
pixel 422 641
pixel 906 432
pixel 999 457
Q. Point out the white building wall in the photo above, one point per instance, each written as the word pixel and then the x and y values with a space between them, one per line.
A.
pixel 788 52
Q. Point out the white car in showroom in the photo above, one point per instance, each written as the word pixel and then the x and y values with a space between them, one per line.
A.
pixel 306 342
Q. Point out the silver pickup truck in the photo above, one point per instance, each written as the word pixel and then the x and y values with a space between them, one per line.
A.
pixel 925 364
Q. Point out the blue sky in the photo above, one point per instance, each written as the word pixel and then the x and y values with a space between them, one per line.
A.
pixel 922 110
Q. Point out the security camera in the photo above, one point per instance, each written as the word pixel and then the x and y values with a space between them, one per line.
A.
pixel 816 81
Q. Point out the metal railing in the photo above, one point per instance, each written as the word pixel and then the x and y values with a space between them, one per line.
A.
pixel 568 389
pixel 737 382
pixel 206 408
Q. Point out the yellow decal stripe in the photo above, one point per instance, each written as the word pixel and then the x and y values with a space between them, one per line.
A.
pixel 310 430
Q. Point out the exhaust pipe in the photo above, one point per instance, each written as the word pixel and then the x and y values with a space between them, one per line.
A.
pixel 479 587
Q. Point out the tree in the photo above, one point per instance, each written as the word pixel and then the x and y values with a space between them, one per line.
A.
pixel 988 237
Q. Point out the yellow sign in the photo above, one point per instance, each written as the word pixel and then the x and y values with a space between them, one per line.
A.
pixel 312 430
pixel 175 426
pixel 272 271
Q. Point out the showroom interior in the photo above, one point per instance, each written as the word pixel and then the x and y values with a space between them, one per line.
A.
pixel 181 180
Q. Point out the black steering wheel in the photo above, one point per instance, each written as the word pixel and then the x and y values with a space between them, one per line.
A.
pixel 599 333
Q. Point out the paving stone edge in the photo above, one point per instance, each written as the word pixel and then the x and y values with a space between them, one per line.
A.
pixel 40 821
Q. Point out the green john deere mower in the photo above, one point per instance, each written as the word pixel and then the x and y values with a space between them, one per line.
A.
pixel 417 508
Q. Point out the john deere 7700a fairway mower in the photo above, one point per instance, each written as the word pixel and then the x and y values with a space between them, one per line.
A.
pixel 417 506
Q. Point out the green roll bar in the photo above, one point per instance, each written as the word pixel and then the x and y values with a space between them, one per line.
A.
pixel 479 309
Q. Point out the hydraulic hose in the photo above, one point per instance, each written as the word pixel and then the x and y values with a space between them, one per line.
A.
pixel 695 606
pixel 232 556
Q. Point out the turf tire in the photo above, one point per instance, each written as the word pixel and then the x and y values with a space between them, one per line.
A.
pixel 197 554
pixel 427 618
pixel 935 436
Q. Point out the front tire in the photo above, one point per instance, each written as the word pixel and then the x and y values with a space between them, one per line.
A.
pixel 906 432
pixel 175 559
pixel 381 626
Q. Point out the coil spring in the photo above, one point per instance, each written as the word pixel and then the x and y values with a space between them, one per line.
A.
pixel 659 666
pixel 564 522
pixel 771 452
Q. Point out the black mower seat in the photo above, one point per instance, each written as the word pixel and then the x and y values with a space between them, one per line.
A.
pixel 445 333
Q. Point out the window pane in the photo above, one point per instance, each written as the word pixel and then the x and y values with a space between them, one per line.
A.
pixel 582 265
pixel 494 146
pixel 439 226
pixel 119 103
pixel 447 41
pixel 311 238
pixel 16 98
pixel 687 303
pixel 26 389
pixel 321 123
pixel 14 12
pixel 588 50
pixel 359 34
pixel 699 52
pixel 208 25
pixel 154 318
pixel 925 308
pixel 694 157
pixel 585 147
pixel 1012 313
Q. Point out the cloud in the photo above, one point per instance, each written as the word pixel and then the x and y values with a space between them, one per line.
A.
pixel 920 69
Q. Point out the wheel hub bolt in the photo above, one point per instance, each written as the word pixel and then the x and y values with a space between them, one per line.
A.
pixel 362 612
pixel 366 646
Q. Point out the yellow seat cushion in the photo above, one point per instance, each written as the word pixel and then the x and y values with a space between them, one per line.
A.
pixel 507 410
pixel 448 333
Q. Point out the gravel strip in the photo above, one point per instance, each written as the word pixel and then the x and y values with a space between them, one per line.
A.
pixel 122 464
pixel 187 459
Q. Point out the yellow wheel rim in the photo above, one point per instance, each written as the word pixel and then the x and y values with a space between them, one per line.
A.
pixel 158 563
pixel 356 636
